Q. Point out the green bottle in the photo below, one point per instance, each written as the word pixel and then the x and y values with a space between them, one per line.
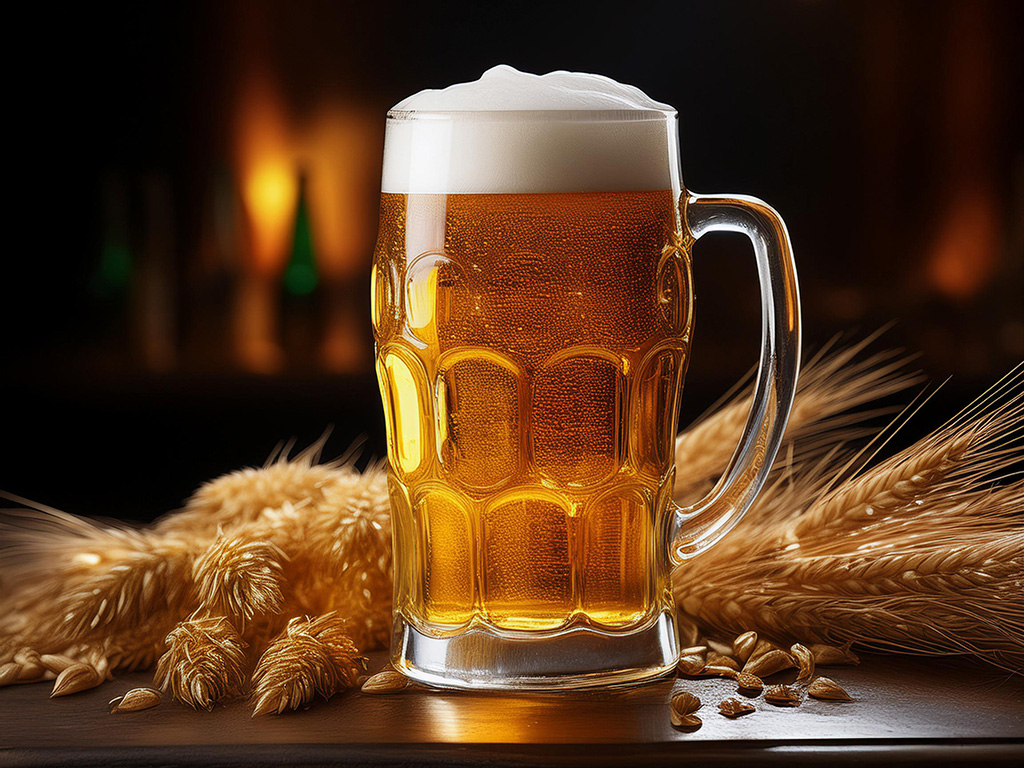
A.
pixel 300 278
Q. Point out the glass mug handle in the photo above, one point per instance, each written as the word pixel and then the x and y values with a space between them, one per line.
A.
pixel 695 528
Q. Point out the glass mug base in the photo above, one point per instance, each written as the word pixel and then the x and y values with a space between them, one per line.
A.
pixel 582 657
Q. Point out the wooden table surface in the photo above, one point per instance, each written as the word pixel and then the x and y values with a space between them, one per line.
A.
pixel 907 712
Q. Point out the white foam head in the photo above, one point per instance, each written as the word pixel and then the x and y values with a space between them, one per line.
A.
pixel 511 131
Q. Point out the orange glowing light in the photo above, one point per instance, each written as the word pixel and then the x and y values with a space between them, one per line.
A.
pixel 266 159
pixel 341 155
pixel 269 191
pixel 338 149
pixel 965 255
pixel 265 162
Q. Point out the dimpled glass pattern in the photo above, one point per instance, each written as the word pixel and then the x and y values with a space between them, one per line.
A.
pixel 530 352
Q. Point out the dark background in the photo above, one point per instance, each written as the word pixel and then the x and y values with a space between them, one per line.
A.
pixel 888 134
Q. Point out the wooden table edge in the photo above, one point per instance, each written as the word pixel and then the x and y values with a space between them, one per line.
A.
pixel 750 754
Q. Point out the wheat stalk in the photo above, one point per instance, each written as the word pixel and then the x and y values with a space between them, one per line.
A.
pixel 122 591
pixel 923 553
pixel 833 385
pixel 73 580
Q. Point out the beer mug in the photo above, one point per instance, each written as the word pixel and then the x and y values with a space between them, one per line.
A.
pixel 532 310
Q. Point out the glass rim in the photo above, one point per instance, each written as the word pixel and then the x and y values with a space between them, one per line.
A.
pixel 536 115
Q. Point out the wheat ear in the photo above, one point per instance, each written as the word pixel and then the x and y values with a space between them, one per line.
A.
pixel 953 460
pixel 240 578
pixel 312 657
pixel 205 662
pixel 73 580
pixel 332 553
pixel 239 498
pixel 349 561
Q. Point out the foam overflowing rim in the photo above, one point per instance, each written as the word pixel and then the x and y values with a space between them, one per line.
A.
pixel 504 93
pixel 560 132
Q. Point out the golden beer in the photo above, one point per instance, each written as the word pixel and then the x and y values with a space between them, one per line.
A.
pixel 530 360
